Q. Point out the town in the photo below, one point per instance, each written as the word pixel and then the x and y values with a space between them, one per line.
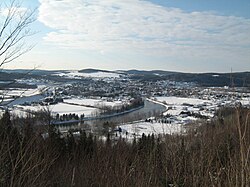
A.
pixel 92 98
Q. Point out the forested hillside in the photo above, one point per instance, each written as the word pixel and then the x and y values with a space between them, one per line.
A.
pixel 213 154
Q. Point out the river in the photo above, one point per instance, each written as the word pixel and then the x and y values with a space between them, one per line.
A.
pixel 150 109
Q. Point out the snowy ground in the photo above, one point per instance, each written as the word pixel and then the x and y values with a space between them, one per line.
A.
pixel 78 75
pixel 20 96
pixel 181 100
pixel 21 110
pixel 177 115
pixel 60 108
pixel 177 109
pixel 176 105
pixel 245 101
pixel 19 92
pixel 92 102
pixel 136 129
pixel 28 99
pixel 72 105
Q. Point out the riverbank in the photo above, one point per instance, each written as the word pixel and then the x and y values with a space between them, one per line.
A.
pixel 97 117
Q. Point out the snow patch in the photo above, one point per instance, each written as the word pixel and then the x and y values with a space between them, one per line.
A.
pixel 79 75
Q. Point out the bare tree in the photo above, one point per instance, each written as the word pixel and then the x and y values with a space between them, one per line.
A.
pixel 15 24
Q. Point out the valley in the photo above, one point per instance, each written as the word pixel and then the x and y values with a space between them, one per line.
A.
pixel 87 99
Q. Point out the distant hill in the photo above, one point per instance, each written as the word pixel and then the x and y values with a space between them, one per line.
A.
pixel 238 79
pixel 143 72
pixel 94 71
pixel 30 71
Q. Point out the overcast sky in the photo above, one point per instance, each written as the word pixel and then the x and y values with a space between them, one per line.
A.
pixel 174 35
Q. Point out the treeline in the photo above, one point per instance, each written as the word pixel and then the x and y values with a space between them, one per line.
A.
pixel 107 110
pixel 214 154
pixel 68 117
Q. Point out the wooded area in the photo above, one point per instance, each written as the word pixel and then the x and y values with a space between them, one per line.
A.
pixel 214 154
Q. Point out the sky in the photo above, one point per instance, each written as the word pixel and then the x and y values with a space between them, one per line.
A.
pixel 172 35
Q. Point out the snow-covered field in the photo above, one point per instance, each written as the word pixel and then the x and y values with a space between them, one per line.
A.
pixel 31 81
pixel 181 100
pixel 79 75
pixel 136 129
pixel 13 97
pixel 175 121
pixel 92 102
pixel 23 100
pixel 245 101
pixel 21 110
pixel 20 92
pixel 74 105
pixel 60 108
pixel 176 105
